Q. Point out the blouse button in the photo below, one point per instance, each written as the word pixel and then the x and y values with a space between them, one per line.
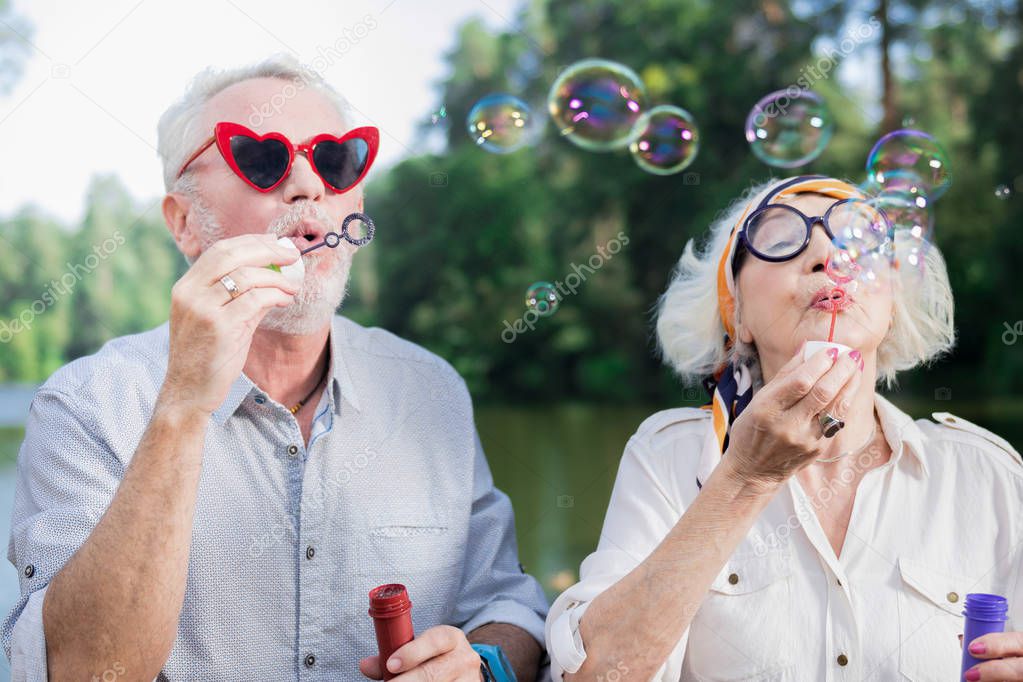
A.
pixel 309 552
pixel 260 400
pixel 952 597
pixel 310 661
pixel 292 450
pixel 733 578
pixel 842 659
pixel 30 571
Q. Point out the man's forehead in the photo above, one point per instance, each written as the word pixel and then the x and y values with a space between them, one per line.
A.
pixel 275 104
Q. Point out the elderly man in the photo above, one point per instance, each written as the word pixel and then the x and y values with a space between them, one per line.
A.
pixel 214 499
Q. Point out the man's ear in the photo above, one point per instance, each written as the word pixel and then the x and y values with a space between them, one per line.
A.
pixel 176 208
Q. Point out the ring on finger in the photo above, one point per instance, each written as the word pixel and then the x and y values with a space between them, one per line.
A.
pixel 830 425
pixel 231 287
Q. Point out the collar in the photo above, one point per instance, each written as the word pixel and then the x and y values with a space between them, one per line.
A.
pixel 902 433
pixel 340 380
pixel 900 430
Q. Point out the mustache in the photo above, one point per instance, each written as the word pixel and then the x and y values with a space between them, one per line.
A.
pixel 285 223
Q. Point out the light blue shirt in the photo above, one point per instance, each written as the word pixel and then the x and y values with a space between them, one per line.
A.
pixel 287 540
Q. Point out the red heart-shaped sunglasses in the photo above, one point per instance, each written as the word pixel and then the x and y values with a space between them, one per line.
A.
pixel 263 161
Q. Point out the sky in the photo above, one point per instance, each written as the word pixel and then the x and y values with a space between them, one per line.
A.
pixel 99 76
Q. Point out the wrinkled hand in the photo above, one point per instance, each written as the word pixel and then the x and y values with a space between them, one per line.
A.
pixel 440 654
pixel 1005 651
pixel 778 433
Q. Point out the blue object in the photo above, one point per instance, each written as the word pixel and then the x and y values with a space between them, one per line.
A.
pixel 984 613
pixel 495 664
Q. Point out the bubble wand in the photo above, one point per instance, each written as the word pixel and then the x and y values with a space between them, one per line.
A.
pixel 295 272
pixel 332 239
pixel 836 296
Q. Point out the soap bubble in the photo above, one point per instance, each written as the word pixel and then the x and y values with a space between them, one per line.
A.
pixel 858 227
pixel 436 116
pixel 907 212
pixel 1003 191
pixel 911 151
pixel 863 237
pixel 841 267
pixel 542 297
pixel 597 104
pixel 789 129
pixel 899 180
pixel 911 253
pixel 669 141
pixel 500 123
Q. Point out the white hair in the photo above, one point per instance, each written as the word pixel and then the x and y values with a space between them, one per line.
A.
pixel 691 334
pixel 178 132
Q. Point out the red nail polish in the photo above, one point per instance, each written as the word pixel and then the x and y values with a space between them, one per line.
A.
pixel 973 675
pixel 978 648
pixel 855 355
pixel 833 354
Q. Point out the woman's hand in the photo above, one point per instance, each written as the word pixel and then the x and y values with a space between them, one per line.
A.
pixel 1005 649
pixel 778 433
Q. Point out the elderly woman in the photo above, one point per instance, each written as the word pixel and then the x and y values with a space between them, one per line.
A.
pixel 754 540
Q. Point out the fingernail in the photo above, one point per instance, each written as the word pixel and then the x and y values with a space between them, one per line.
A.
pixel 973 675
pixel 393 664
pixel 833 354
pixel 978 648
pixel 857 358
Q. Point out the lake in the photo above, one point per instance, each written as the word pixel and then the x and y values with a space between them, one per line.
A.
pixel 557 463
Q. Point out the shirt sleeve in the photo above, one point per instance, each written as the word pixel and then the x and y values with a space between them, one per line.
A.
pixel 495 589
pixel 639 516
pixel 66 476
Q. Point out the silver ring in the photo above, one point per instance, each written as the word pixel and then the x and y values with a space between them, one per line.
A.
pixel 231 287
pixel 829 425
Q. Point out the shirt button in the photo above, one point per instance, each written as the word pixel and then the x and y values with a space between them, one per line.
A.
pixel 260 399
pixel 309 552
pixel 30 571
pixel 843 659
pixel 733 578
pixel 952 597
pixel 310 661
pixel 292 450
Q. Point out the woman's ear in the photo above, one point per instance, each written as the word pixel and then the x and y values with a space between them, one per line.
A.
pixel 742 333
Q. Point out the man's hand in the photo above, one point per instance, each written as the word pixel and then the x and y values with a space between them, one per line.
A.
pixel 440 654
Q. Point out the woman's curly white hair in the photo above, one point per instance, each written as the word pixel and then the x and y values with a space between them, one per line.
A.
pixel 691 335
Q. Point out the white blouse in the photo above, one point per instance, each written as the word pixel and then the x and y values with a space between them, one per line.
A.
pixel 942 518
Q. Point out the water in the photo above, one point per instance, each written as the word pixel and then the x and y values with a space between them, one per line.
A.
pixel 556 463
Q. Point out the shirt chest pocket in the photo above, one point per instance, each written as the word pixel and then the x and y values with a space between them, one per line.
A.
pixel 743 630
pixel 404 537
pixel 418 544
pixel 931 620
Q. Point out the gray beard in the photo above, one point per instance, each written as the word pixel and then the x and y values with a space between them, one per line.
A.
pixel 318 297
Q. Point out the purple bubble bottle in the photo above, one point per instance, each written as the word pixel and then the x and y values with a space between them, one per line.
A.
pixel 984 613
